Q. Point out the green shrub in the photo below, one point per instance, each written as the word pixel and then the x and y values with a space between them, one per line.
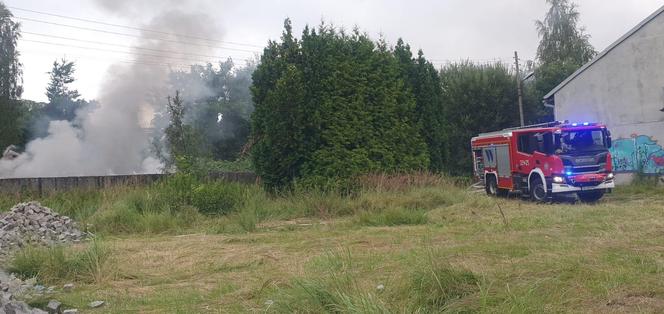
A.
pixel 205 166
pixel 176 189
pixel 218 197
pixel 118 217
pixel 393 217
pixel 57 264
pixel 122 217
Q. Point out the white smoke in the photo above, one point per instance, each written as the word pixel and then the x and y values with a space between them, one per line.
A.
pixel 112 137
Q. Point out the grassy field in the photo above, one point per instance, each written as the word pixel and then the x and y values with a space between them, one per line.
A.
pixel 402 245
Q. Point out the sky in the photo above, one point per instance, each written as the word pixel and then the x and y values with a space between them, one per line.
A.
pixel 446 30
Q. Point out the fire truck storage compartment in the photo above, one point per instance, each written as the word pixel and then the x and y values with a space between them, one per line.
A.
pixel 497 157
pixel 503 154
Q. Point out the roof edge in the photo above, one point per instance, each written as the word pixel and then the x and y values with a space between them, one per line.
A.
pixel 605 52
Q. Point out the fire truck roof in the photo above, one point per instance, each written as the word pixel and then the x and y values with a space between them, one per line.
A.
pixel 559 124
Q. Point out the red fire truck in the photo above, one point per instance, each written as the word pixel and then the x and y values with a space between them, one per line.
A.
pixel 545 160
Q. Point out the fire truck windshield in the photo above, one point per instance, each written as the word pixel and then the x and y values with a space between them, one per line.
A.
pixel 582 141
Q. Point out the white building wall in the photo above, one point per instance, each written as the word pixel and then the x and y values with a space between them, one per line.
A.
pixel 625 90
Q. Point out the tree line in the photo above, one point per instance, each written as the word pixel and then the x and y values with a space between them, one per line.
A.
pixel 332 104
pixel 323 107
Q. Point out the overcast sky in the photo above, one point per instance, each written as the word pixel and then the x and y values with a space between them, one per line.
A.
pixel 479 30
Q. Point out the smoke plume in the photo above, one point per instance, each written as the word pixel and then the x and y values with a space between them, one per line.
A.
pixel 114 137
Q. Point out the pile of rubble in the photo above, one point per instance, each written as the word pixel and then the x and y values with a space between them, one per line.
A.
pixel 31 223
pixel 11 287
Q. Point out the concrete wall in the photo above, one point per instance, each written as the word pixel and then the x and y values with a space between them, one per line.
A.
pixel 41 186
pixel 625 90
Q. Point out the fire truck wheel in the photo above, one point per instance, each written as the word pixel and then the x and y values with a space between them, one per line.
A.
pixel 491 186
pixel 537 190
pixel 590 196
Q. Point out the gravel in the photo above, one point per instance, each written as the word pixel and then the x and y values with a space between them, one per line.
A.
pixel 31 223
pixel 11 288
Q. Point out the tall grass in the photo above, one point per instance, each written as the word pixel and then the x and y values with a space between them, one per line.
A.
pixel 331 288
pixel 434 285
pixel 57 264
pixel 182 204
pixel 334 284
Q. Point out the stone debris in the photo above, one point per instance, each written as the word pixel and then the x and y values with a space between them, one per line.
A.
pixel 9 305
pixel 11 288
pixel 70 311
pixel 96 304
pixel 54 307
pixel 31 223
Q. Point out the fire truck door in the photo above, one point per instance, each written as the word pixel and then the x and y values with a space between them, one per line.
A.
pixel 503 161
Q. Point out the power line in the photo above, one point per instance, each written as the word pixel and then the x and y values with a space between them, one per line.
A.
pixel 130 35
pixel 117 51
pixel 129 61
pixel 433 60
pixel 133 27
pixel 122 46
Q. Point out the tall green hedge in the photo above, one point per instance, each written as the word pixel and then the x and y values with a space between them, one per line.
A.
pixel 332 105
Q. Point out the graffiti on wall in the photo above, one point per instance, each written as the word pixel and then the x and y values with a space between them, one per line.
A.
pixel 640 153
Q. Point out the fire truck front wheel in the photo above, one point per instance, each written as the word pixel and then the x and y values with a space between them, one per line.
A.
pixel 590 196
pixel 537 190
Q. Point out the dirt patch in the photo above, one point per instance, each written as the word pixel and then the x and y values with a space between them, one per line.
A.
pixel 639 302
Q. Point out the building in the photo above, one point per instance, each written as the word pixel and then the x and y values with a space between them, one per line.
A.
pixel 623 87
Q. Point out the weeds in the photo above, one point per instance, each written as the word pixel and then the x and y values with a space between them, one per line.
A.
pixel 434 284
pixel 332 285
pixel 182 203
pixel 218 197
pixel 333 288
pixel 57 264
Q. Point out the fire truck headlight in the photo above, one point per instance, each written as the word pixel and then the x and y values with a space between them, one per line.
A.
pixel 610 176
pixel 558 179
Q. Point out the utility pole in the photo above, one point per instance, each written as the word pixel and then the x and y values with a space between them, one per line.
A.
pixel 518 86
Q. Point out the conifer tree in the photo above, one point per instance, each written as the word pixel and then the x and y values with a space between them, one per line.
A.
pixel 424 82
pixel 329 107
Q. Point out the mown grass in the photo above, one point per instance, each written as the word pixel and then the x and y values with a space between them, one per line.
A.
pixel 321 252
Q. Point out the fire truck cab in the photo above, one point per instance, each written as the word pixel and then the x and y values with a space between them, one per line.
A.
pixel 545 160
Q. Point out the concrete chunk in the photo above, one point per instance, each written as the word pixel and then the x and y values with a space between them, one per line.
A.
pixel 54 307
pixel 96 304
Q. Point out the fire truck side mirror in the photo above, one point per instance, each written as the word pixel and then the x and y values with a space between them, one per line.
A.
pixel 608 139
